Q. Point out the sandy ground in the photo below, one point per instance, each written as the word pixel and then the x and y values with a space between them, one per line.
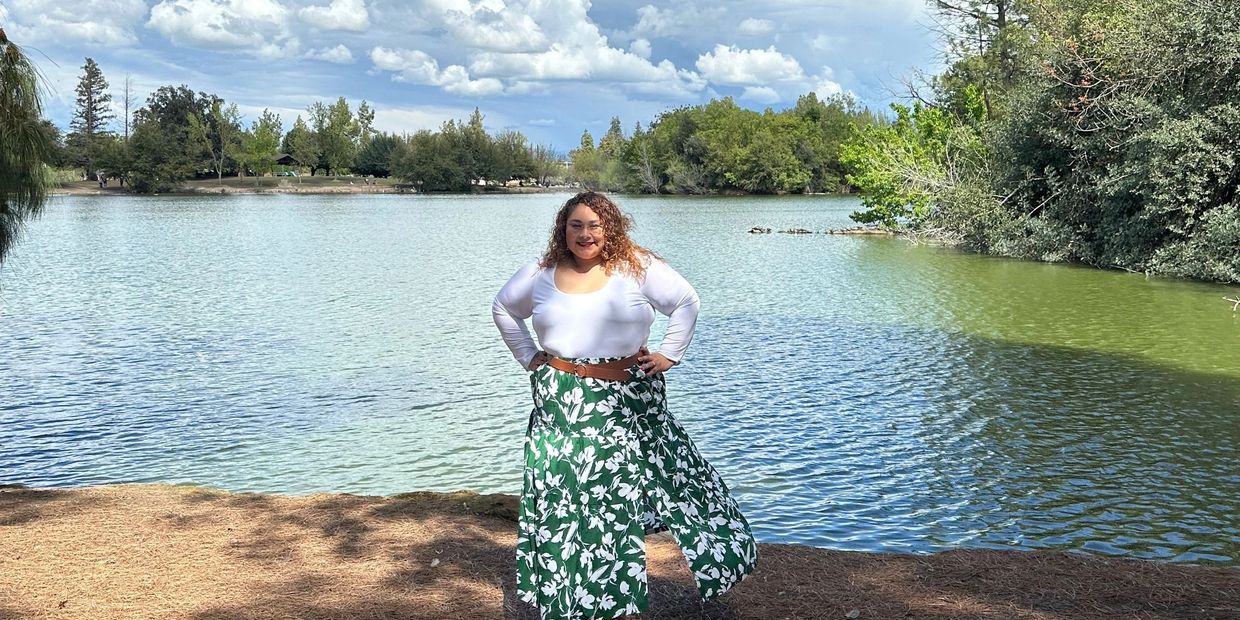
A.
pixel 159 551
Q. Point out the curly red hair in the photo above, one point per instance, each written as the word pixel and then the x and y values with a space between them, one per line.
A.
pixel 619 253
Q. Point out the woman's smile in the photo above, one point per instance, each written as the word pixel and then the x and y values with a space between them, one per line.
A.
pixel 584 234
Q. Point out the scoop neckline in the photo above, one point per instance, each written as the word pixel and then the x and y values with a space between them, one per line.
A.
pixel 556 288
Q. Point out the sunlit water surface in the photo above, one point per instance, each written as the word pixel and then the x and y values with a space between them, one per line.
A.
pixel 856 393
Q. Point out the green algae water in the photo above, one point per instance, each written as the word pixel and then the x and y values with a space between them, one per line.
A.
pixel 855 393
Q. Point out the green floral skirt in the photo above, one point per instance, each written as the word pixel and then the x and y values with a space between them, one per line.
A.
pixel 605 464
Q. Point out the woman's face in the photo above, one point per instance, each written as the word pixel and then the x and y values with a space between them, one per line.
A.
pixel 583 234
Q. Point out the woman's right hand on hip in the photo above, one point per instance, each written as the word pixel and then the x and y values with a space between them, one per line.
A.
pixel 539 359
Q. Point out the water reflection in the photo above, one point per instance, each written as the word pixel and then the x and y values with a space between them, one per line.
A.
pixel 856 393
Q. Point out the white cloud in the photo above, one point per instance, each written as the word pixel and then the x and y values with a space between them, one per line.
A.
pixel 520 87
pixel 398 120
pixel 603 64
pixel 640 47
pixel 418 67
pixel 753 27
pixel 413 66
pixel 507 30
pixel 688 85
pixel 97 22
pixel 674 20
pixel 339 55
pixel 760 94
pixel 409 120
pixel 455 79
pixel 826 88
pixel 523 46
pixel 654 22
pixel 734 66
pixel 821 42
pixel 259 25
pixel 542 122
pixel 339 15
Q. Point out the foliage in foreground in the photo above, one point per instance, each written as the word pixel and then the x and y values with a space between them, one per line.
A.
pixel 24 144
pixel 1115 143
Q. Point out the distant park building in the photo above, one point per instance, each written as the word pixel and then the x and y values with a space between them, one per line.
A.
pixel 287 160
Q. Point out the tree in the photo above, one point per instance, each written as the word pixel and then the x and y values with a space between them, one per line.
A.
pixel 365 122
pixel 546 163
pixel 115 158
pixel 164 149
pixel 127 103
pixel 375 158
pixel 91 114
pixel 478 156
pixel 610 154
pixel 984 43
pixel 1121 151
pixel 612 142
pixel 302 145
pixel 24 144
pixel 56 157
pixel 317 113
pixel 336 133
pixel 218 133
pixel 512 157
pixel 585 162
pixel 260 145
pixel 639 156
pixel 904 168
pixel 430 161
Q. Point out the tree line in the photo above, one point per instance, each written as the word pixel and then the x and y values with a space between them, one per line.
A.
pixel 1105 133
pixel 180 134
pixel 722 147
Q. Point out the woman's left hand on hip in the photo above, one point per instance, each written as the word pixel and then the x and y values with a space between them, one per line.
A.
pixel 653 363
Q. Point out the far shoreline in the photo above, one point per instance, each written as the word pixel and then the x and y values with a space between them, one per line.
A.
pixel 358 185
pixel 205 189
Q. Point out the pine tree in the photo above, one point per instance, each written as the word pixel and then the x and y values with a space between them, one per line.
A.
pixel 92 114
pixel 612 143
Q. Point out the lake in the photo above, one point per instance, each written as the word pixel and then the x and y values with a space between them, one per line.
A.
pixel 855 393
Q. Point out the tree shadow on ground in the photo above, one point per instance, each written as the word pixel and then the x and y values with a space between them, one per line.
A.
pixel 173 552
pixel 418 555
pixel 801 582
pixel 412 556
pixel 21 505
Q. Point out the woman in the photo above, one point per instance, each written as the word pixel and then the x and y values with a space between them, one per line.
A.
pixel 605 463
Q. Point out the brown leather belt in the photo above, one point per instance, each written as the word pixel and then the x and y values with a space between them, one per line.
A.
pixel 612 371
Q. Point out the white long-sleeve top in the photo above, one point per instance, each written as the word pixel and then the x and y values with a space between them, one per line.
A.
pixel 613 321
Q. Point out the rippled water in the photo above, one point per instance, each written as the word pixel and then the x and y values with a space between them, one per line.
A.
pixel 864 394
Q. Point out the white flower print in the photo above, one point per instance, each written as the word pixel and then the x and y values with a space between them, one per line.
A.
pixel 604 460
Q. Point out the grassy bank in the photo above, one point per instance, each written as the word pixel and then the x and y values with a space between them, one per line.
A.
pixel 158 551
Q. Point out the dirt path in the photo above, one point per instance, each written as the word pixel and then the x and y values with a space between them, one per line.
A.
pixel 157 551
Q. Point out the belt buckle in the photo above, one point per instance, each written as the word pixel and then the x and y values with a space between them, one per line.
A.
pixel 579 370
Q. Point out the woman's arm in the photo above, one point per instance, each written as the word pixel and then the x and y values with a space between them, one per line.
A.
pixel 672 295
pixel 513 304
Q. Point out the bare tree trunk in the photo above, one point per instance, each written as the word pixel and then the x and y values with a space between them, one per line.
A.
pixel 128 101
pixel 645 171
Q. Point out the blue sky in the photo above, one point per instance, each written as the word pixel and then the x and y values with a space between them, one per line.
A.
pixel 547 68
